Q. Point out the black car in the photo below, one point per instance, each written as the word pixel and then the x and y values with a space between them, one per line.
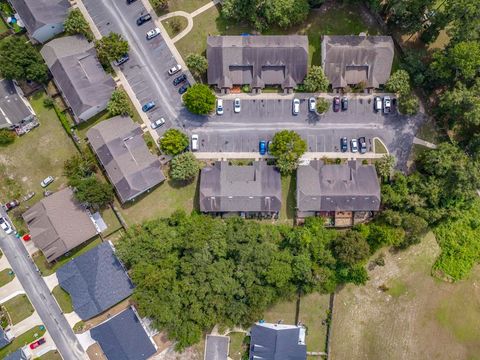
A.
pixel 143 19
pixel 344 144
pixel 362 144
pixel 336 104
pixel 121 61
pixel 179 79
pixel 184 88
pixel 344 103
pixel 130 1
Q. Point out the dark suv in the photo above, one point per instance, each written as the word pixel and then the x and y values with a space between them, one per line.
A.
pixel 179 79
pixel 344 144
pixel 362 143
pixel 143 19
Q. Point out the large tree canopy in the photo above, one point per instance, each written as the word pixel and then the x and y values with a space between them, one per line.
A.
pixel 199 99
pixel 287 147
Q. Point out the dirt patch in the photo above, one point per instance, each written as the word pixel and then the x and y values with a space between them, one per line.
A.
pixel 106 315
pixel 95 352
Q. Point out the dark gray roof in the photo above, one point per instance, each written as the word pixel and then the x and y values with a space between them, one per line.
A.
pixel 17 355
pixel 95 280
pixel 120 147
pixel 346 187
pixel 277 342
pixel 230 188
pixel 123 337
pixel 3 339
pixel 37 13
pixel 12 107
pixel 352 59
pixel 257 60
pixel 58 224
pixel 216 347
pixel 78 73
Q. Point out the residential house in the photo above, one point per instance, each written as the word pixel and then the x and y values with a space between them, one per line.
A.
pixel 79 76
pixel 5 339
pixel 122 152
pixel 257 61
pixel 43 19
pixel 20 354
pixel 346 193
pixel 14 107
pixel 254 190
pixel 351 60
pixel 216 347
pixel 95 280
pixel 58 224
pixel 277 342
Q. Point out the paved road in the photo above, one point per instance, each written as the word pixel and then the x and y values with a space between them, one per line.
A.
pixel 42 300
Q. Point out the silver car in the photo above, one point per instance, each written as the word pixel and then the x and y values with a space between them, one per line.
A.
pixel 237 105
pixel 153 33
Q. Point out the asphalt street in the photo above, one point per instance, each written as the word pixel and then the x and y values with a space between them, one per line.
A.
pixel 41 298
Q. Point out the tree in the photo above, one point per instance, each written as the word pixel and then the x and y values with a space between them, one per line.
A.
pixel 199 99
pixel 197 64
pixel 384 166
pixel 315 81
pixel 408 104
pixel 119 104
pixel 159 4
pixel 459 62
pixel 399 83
pixel 407 15
pixel 464 20
pixel 287 147
pixel 110 48
pixel 93 193
pixel 6 137
pixel 184 167
pixel 76 24
pixel 461 106
pixel 173 142
pixel 350 248
pixel 79 167
pixel 19 60
pixel 322 105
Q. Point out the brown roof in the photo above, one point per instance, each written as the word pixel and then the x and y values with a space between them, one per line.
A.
pixel 58 223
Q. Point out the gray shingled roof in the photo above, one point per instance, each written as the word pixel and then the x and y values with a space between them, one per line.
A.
pixel 120 147
pixel 95 281
pixel 346 187
pixel 12 108
pixel 229 188
pixel 17 355
pixel 257 60
pixel 37 13
pixel 58 224
pixel 123 337
pixel 216 347
pixel 277 342
pixel 73 62
pixel 351 59
pixel 3 339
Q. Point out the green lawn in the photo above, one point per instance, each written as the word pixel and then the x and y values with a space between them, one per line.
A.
pixel 167 24
pixel 379 147
pixel 22 340
pixel 287 212
pixel 111 220
pixel 19 308
pixel 313 313
pixel 6 276
pixel 63 299
pixel 51 355
pixel 283 311
pixel 237 346
pixel 48 269
pixel 186 5
pixel 3 26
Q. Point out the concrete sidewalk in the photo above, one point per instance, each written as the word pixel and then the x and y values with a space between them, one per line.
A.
pixel 25 325
pixel 10 290
pixel 51 281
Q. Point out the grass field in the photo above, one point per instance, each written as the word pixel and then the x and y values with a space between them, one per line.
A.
pixel 22 340
pixel 287 212
pixel 113 224
pixel 379 147
pixel 168 25
pixel 6 275
pixel 19 308
pixel 63 299
pixel 418 317
pixel 237 347
pixel 51 355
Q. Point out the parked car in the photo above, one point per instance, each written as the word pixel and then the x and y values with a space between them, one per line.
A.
pixel 237 106
pixel 122 60
pixel 344 103
pixel 262 147
pixel 157 123
pixel 47 181
pixel 26 237
pixel 130 1
pixel 312 104
pixel 354 145
pixel 219 107
pixel 269 144
pixel 174 69
pixel 387 104
pixel 47 193
pixel 336 104
pixel 179 79
pixel 37 343
pixel 344 144
pixel 11 205
pixel 143 19
pixel 148 106
pixel 153 33
pixel 184 88
pixel 5 226
pixel 295 106
pixel 29 196
pixel 194 142
pixel 363 145
pixel 377 103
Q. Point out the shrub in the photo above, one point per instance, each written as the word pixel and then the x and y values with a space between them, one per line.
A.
pixel 322 105
pixel 315 81
pixel 199 99
pixel 197 64
pixel 184 167
pixel 7 137
pixel 399 83
pixel 408 104
pixel 48 103
pixel 119 104
pixel 173 142
pixel 76 24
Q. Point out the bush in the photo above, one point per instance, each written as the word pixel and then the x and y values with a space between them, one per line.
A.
pixel 7 137
pixel 322 105
pixel 92 192
pixel 199 99
pixel 76 24
pixel 399 83
pixel 184 167
pixel 173 142
pixel 408 104
pixel 315 81
pixel 197 64
pixel 176 25
pixel 119 104
pixel 48 103
pixel 110 48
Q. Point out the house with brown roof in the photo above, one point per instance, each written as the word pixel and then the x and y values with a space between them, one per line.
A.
pixel 258 61
pixel 350 60
pixel 58 224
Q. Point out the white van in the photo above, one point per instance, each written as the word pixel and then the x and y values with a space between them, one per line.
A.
pixel 194 142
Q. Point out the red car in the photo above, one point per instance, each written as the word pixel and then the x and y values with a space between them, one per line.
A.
pixel 11 205
pixel 37 343
pixel 336 104
pixel 26 237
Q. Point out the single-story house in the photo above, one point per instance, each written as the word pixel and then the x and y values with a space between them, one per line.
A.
pixel 123 337
pixel 258 61
pixel 119 145
pixel 43 19
pixel 96 281
pixel 79 76
pixel 58 224
pixel 254 190
pixel 14 107
pixel 348 193
pixel 4 338
pixel 216 347
pixel 20 354
pixel 348 60
pixel 277 342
